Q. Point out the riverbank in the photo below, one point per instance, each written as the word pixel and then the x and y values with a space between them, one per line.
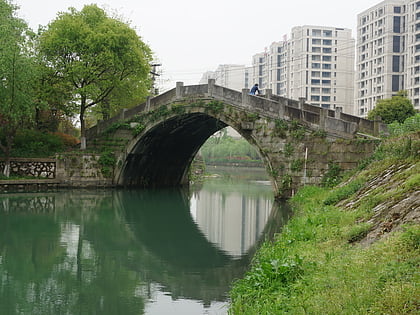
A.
pixel 354 249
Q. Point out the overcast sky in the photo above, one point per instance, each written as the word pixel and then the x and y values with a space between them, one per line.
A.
pixel 190 37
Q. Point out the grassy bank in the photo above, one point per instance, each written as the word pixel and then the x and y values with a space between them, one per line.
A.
pixel 354 249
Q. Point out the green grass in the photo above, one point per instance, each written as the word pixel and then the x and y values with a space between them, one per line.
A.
pixel 315 265
pixel 312 268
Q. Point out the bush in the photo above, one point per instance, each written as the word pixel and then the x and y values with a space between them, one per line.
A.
pixel 398 108
pixel 409 125
pixel 32 143
pixel 68 140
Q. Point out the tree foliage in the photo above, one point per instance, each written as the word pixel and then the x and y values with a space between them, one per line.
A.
pixel 17 76
pixel 225 148
pixel 97 55
pixel 397 108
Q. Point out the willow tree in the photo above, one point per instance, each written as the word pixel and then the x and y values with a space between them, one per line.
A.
pixel 97 54
pixel 17 76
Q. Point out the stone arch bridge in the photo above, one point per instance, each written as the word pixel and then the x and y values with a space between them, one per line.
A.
pixel 153 144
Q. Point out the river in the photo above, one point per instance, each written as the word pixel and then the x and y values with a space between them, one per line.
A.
pixel 151 252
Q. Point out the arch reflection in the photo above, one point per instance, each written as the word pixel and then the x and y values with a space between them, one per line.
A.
pixel 87 252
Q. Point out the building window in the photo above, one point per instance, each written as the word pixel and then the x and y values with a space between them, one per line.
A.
pixel 326 90
pixel 316 49
pixel 315 82
pixel 397 24
pixel 316 41
pixel 326 66
pixel 316 57
pixel 395 63
pixel 326 58
pixel 397 9
pixel 327 33
pixel 395 83
pixel 316 66
pixel 315 98
pixel 315 90
pixel 326 50
pixel 327 42
pixel 326 82
pixel 315 74
pixel 316 32
pixel 326 98
pixel 326 74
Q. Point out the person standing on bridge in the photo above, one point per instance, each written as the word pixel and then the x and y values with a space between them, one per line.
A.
pixel 255 89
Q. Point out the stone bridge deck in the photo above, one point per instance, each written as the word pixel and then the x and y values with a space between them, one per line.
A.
pixel 334 122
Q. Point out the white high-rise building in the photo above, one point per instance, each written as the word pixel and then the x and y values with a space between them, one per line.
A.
pixel 234 77
pixel 317 63
pixel 388 53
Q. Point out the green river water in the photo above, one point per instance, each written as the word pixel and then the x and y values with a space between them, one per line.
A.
pixel 133 251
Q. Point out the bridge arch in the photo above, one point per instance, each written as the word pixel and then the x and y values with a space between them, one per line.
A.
pixel 161 155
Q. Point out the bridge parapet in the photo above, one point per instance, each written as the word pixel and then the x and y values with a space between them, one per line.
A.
pixel 274 106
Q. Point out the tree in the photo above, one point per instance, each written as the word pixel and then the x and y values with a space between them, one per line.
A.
pixel 98 55
pixel 17 76
pixel 397 108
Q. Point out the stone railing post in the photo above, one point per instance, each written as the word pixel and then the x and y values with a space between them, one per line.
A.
pixel 268 93
pixel 323 114
pixel 148 103
pixel 338 111
pixel 99 128
pixel 301 102
pixel 179 86
pixel 210 86
pixel 245 95
pixel 123 113
pixel 376 125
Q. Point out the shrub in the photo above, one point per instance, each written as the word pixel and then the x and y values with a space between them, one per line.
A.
pixel 68 140
pixel 33 143
pixel 398 108
pixel 333 176
pixel 409 125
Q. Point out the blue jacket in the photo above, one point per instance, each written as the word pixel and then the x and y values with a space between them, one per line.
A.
pixel 254 90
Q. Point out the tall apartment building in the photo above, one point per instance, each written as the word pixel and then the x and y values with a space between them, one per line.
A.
pixel 388 53
pixel 317 63
pixel 234 77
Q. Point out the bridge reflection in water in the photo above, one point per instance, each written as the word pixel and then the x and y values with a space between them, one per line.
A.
pixel 109 252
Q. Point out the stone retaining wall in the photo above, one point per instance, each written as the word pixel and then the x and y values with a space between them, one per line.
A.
pixel 31 167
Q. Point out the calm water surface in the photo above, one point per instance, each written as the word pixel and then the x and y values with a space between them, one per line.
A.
pixel 133 251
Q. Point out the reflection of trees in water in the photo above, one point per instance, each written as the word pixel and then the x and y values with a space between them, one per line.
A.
pixel 118 243
pixel 40 277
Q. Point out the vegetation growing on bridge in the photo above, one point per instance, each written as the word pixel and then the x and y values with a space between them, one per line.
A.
pixel 316 265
